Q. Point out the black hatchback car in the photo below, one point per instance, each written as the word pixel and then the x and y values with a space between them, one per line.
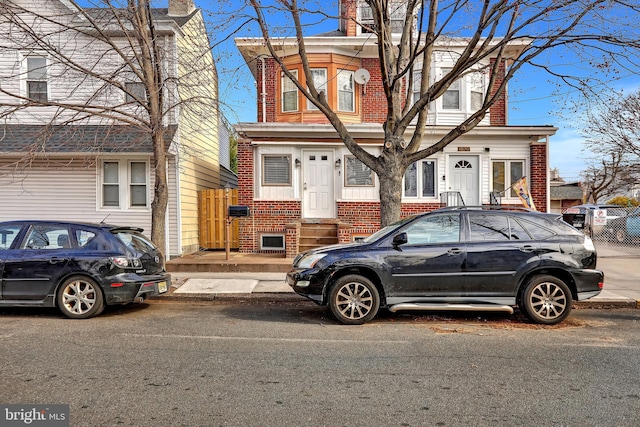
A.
pixel 77 267
pixel 468 259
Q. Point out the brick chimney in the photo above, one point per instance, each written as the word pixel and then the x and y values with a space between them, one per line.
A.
pixel 348 14
pixel 181 7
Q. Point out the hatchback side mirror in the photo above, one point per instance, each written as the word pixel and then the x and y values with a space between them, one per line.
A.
pixel 400 239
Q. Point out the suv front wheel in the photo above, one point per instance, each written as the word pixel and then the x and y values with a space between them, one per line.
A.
pixel 354 300
pixel 547 300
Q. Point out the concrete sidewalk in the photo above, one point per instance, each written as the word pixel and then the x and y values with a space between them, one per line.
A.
pixel 622 284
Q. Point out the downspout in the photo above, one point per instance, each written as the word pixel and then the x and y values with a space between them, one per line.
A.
pixel 548 183
pixel 263 91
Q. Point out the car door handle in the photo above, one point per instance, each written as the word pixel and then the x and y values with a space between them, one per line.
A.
pixel 527 248
pixel 55 260
pixel 454 251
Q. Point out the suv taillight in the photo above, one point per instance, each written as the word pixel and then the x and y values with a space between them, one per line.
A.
pixel 124 262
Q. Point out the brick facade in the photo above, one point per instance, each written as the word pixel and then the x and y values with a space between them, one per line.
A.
pixel 267 101
pixel 498 111
pixel 538 177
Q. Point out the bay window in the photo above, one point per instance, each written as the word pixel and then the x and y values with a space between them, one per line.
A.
pixel 289 93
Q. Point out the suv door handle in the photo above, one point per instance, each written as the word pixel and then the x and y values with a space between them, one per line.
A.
pixel 454 251
pixel 55 260
pixel 527 248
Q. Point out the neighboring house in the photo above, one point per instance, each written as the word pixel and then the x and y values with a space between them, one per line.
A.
pixel 563 195
pixel 295 173
pixel 99 169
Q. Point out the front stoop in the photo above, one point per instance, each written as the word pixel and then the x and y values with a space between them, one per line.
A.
pixel 314 234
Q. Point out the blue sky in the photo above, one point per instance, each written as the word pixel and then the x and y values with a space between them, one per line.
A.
pixel 535 97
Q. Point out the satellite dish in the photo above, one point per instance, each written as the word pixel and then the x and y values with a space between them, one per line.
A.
pixel 362 76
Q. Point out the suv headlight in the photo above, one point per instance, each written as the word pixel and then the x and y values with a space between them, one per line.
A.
pixel 308 261
pixel 588 244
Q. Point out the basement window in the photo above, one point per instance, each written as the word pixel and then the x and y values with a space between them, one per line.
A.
pixel 272 242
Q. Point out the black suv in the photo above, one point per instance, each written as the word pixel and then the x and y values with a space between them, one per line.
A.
pixel 470 259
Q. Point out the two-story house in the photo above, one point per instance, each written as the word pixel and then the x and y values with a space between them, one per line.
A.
pixel 58 160
pixel 298 177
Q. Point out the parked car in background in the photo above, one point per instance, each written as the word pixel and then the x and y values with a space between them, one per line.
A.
pixel 77 267
pixel 469 259
pixel 585 217
pixel 627 227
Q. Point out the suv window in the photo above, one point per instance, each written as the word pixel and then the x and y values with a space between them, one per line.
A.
pixel 538 231
pixel 47 237
pixel 434 229
pixel 495 227
pixel 7 235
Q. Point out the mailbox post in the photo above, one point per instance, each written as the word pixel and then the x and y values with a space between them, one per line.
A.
pixel 233 212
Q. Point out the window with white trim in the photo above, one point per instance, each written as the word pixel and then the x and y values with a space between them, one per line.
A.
pixel 476 83
pixel 357 174
pixel 272 242
pixel 451 98
pixel 124 184
pixel 319 76
pixel 426 186
pixel 397 13
pixel 37 88
pixel 289 93
pixel 505 174
pixel 276 170
pixel 346 94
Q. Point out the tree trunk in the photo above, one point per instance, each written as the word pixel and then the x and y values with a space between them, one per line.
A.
pixel 160 192
pixel 390 176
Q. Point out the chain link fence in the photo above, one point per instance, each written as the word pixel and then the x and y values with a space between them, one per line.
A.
pixel 615 230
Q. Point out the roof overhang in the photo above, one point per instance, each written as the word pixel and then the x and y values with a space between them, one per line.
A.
pixel 301 131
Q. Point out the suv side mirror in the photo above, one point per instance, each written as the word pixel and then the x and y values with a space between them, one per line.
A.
pixel 399 239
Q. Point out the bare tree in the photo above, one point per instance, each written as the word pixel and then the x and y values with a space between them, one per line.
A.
pixel 613 132
pixel 512 33
pixel 97 50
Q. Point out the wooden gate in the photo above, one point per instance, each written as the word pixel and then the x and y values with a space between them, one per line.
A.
pixel 212 216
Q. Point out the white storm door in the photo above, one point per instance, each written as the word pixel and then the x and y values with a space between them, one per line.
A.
pixel 464 177
pixel 318 200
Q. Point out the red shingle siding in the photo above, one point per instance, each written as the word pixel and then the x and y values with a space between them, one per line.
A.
pixel 498 111
pixel 538 178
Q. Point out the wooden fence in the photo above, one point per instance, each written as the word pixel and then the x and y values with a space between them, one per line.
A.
pixel 212 213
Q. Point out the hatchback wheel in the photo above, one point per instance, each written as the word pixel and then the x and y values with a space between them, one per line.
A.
pixel 80 298
pixel 547 300
pixel 354 300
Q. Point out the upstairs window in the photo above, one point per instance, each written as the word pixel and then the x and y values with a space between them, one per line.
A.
pixel 319 76
pixel 37 78
pixel 289 93
pixel 397 14
pixel 135 92
pixel 451 98
pixel 476 83
pixel 346 94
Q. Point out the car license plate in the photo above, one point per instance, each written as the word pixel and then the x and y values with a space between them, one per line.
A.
pixel 162 287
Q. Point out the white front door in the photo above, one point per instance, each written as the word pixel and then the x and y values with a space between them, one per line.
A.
pixel 318 200
pixel 464 177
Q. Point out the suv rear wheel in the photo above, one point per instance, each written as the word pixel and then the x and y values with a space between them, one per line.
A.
pixel 547 300
pixel 354 300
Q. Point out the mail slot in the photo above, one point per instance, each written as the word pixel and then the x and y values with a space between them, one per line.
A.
pixel 237 211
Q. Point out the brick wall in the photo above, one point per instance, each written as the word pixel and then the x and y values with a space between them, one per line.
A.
pixel 271 95
pixel 498 111
pixel 348 9
pixel 374 101
pixel 538 175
